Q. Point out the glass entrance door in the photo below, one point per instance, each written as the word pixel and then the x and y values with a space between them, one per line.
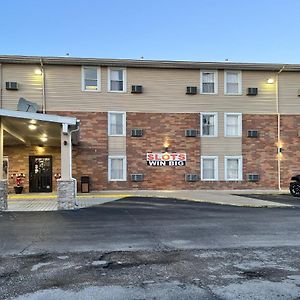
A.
pixel 40 174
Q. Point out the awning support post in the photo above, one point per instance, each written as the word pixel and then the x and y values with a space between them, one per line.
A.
pixel 66 194
pixel 3 182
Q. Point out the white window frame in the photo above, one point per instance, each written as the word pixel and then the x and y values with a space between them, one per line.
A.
pixel 98 79
pixel 124 167
pixel 239 83
pixel 124 123
pixel 240 124
pixel 216 167
pixel 124 70
pixel 216 124
pixel 240 168
pixel 215 82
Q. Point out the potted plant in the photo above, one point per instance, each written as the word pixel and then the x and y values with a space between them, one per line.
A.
pixel 19 180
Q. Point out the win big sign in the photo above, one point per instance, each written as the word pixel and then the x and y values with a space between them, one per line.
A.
pixel 166 159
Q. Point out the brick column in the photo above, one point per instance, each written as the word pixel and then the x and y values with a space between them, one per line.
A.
pixel 66 194
pixel 3 195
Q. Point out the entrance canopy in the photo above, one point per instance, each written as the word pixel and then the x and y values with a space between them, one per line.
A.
pixel 35 128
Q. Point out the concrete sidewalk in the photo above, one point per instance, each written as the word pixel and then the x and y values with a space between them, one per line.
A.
pixel 47 202
pixel 223 197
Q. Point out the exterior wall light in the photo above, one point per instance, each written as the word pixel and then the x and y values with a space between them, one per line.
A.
pixel 32 127
pixel 270 81
pixel 44 138
pixel 38 72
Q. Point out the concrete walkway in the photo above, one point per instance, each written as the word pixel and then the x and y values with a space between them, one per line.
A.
pixel 47 202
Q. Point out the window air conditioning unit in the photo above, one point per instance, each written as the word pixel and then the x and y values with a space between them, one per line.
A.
pixel 252 91
pixel 252 133
pixel 191 133
pixel 137 132
pixel 253 177
pixel 136 89
pixel 137 177
pixel 13 86
pixel 191 90
pixel 191 177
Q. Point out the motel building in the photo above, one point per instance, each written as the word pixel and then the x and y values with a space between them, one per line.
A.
pixel 140 124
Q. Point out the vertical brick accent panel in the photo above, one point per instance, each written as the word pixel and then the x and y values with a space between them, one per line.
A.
pixel 259 154
pixel 91 155
pixel 290 163
pixel 158 128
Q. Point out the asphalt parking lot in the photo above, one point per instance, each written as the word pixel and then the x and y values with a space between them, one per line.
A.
pixel 150 248
pixel 278 198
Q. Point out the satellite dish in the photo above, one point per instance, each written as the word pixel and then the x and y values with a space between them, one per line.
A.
pixel 28 106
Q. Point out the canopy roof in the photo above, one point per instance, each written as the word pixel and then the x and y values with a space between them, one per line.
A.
pixel 33 128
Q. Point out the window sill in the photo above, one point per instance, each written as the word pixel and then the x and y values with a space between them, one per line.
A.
pixel 239 94
pixel 118 92
pixel 208 136
pixel 93 91
pixel 201 93
pixel 112 180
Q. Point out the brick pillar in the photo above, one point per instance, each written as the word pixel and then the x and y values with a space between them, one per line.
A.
pixel 66 194
pixel 3 195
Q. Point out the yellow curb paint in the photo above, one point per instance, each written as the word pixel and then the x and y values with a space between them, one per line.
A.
pixel 79 196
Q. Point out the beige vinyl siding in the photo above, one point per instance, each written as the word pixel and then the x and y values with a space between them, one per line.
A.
pixel 221 146
pixel 117 145
pixel 164 91
pixel 289 101
pixel 30 84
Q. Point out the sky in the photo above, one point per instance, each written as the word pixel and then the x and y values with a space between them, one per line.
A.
pixel 203 30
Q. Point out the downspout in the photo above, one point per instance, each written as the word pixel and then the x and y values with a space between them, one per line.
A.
pixel 278 129
pixel 43 87
pixel 71 131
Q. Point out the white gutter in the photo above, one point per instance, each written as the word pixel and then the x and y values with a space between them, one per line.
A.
pixel 38 116
pixel 278 128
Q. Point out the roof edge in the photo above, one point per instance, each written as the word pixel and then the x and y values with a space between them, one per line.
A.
pixel 109 62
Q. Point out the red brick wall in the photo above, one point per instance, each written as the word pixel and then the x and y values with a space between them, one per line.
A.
pixel 259 154
pixel 91 155
pixel 158 128
pixel 290 163
pixel 18 157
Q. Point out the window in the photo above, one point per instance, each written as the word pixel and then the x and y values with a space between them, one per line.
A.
pixel 116 80
pixel 233 168
pixel 91 79
pixel 117 168
pixel 116 123
pixel 209 124
pixel 233 82
pixel 208 82
pixel 209 168
pixel 233 124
